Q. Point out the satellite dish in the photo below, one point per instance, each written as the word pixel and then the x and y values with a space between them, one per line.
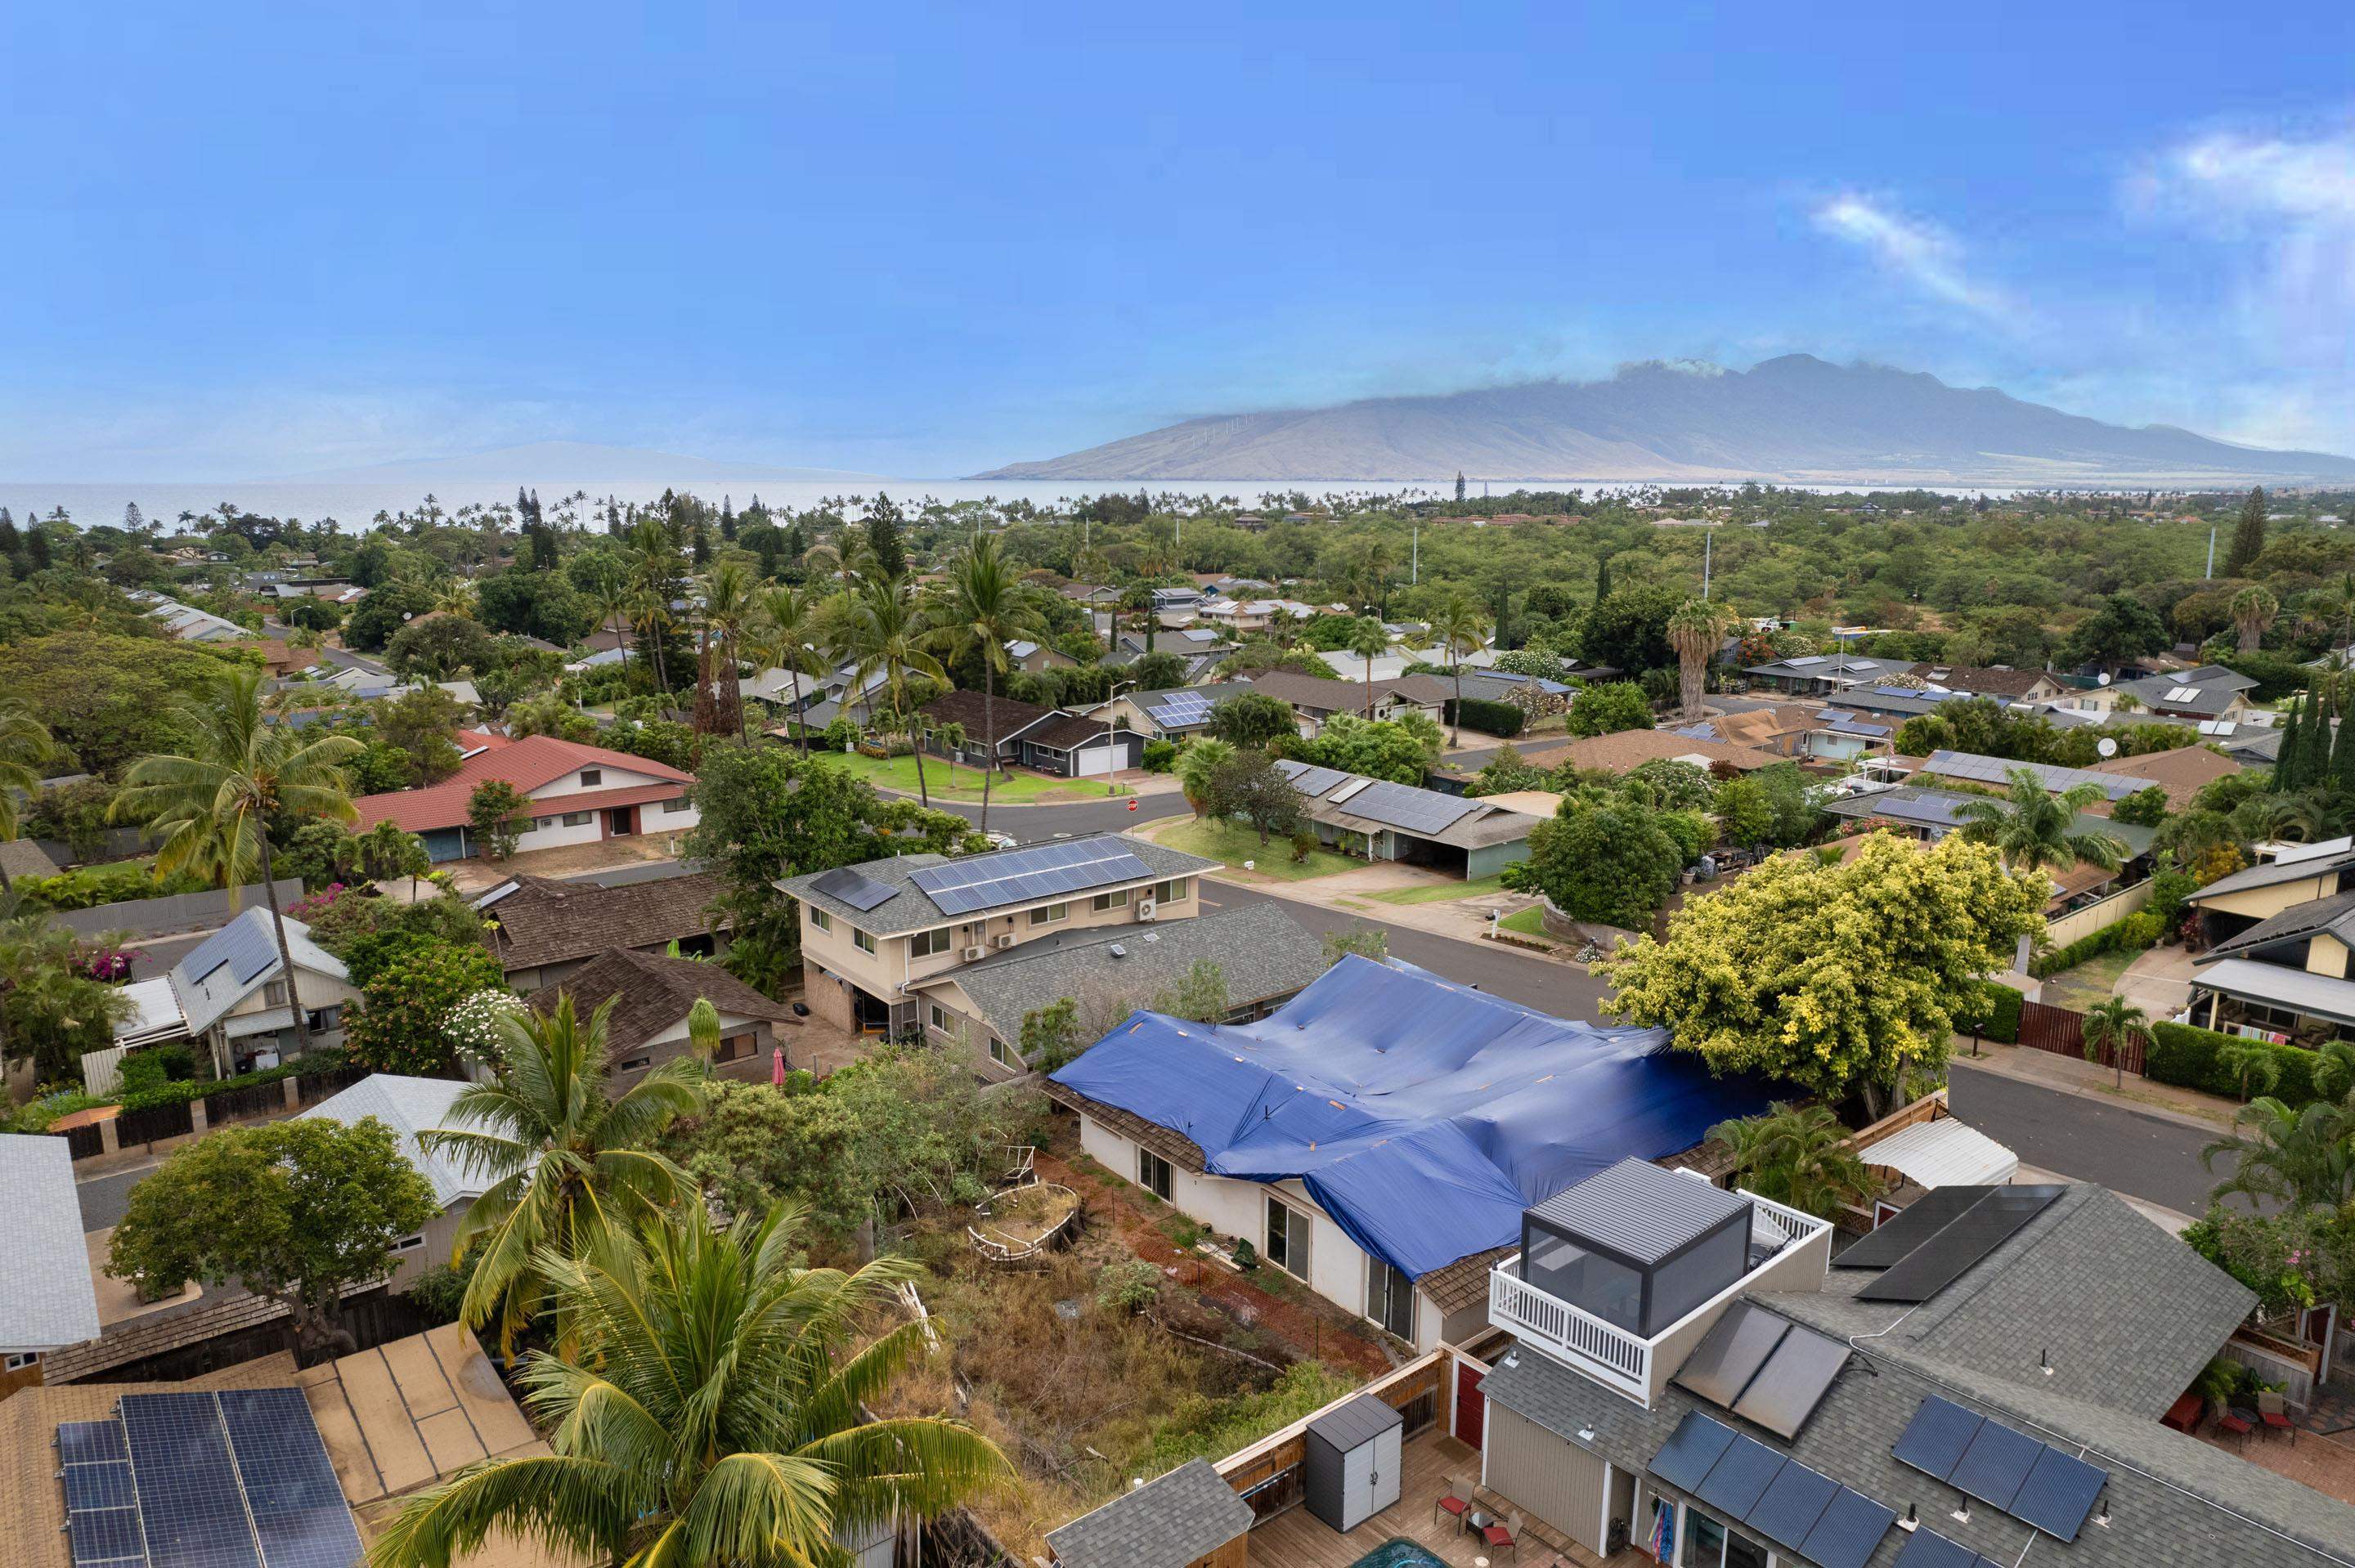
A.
pixel 2107 747
pixel 2105 677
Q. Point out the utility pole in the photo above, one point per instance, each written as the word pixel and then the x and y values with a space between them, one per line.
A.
pixel 1707 537
pixel 2212 550
pixel 1414 553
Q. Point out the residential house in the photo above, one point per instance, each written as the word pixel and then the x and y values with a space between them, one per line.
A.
pixel 578 794
pixel 2182 772
pixel 1047 740
pixel 1782 729
pixel 1313 701
pixel 1036 656
pixel 1823 675
pixel 2206 692
pixel 1992 1376
pixel 1534 696
pixel 409 1106
pixel 2278 935
pixel 1178 712
pixel 824 697
pixel 543 929
pixel 1840 736
pixel 1391 665
pixel 1624 751
pixel 1999 682
pixel 188 624
pixel 1467 838
pixel 48 1299
pixel 228 997
pixel 652 997
pixel 1378 1137
pixel 1997 772
pixel 875 935
pixel 1263 956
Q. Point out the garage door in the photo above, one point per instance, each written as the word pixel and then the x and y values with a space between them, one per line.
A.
pixel 1546 1476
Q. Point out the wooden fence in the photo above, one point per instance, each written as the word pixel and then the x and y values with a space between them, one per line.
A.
pixel 1266 1474
pixel 2062 1033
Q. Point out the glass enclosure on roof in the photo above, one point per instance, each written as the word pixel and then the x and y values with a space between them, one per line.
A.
pixel 1640 1293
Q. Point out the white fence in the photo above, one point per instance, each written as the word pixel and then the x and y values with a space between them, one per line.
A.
pixel 101 1071
pixel 2100 915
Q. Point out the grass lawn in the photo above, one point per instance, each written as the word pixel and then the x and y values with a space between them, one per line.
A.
pixel 1442 892
pixel 1528 923
pixel 2080 987
pixel 1022 788
pixel 1234 843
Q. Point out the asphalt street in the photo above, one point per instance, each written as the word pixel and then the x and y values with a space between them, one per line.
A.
pixel 2151 1157
pixel 104 1198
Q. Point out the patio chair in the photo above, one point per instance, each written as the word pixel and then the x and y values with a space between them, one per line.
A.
pixel 1452 1502
pixel 2274 1410
pixel 1505 1537
pixel 2238 1424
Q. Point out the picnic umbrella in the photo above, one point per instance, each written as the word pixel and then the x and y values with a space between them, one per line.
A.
pixel 777 1067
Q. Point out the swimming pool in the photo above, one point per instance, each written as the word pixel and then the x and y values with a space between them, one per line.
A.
pixel 1398 1552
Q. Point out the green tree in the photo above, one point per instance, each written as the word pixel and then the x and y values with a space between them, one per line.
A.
pixel 1369 642
pixel 1763 976
pixel 2248 535
pixel 1377 748
pixel 1697 631
pixel 439 649
pixel 294 1211
pixel 2112 1026
pixel 1253 719
pixel 1198 769
pixel 421 724
pixel 727 611
pixel 569 1166
pixel 2304 1158
pixel 1607 708
pixel 1458 626
pixel 51 1010
pixel 713 1415
pixel 1051 1036
pixel 1797 1156
pixel 406 1000
pixel 25 747
pixel 386 851
pixel 1248 785
pixel 500 815
pixel 1608 863
pixel 2035 829
pixel 105 698
pixel 2254 610
pixel 2143 809
pixel 1199 995
pixel 213 803
pixel 782 638
pixel 2120 629
pixel 1628 628
pixel 886 636
pixel 983 607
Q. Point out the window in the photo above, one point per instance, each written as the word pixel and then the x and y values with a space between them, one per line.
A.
pixel 940 1016
pixel 820 919
pixel 1103 901
pixel 735 1048
pixel 997 1052
pixel 1050 915
pixel 592 776
pixel 925 944
pixel 20 1359
pixel 541 824
pixel 863 941
pixel 1173 892
pixel 1389 1298
pixel 1151 1172
pixel 1287 1238
pixel 1711 1543
pixel 410 1243
pixel 273 994
pixel 577 819
pixel 671 807
pixel 636 1063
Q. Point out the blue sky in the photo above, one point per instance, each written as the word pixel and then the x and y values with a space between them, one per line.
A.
pixel 245 240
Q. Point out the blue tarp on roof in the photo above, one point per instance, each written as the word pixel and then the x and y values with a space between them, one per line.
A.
pixel 1422 1115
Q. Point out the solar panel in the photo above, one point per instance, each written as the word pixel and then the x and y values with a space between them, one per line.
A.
pixel 239 1479
pixel 1697 1444
pixel 1411 810
pixel 1794 1501
pixel 1849 1532
pixel 1979 1230
pixel 860 892
pixel 1909 1228
pixel 1315 781
pixel 2058 1493
pixel 1928 1549
pixel 90 1442
pixel 1730 1355
pixel 1741 1477
pixel 1934 1441
pixel 1792 1383
pixel 189 1499
pixel 297 1506
pixel 1040 872
pixel 1997 1462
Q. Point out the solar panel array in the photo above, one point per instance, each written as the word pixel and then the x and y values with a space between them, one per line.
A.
pixel 1182 709
pixel 245 947
pixel 1763 1368
pixel 1796 1509
pixel 1311 782
pixel 1955 1246
pixel 861 892
pixel 235 1479
pixel 1405 807
pixel 1999 769
pixel 1015 876
pixel 2034 1482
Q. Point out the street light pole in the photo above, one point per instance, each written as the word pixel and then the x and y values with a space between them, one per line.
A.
pixel 1111 697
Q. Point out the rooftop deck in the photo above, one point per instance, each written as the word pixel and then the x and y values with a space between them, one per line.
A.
pixel 1298 1538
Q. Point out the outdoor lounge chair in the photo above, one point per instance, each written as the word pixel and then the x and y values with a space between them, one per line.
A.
pixel 2274 1410
pixel 2239 1425
pixel 1452 1502
pixel 1505 1537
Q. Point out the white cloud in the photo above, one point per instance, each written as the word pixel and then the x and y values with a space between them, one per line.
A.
pixel 1918 251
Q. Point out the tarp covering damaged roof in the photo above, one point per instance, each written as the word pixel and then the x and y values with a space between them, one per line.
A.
pixel 1422 1116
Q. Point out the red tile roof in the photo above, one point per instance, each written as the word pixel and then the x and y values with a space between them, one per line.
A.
pixel 531 765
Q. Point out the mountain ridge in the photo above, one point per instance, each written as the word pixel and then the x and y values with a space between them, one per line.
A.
pixel 1794 419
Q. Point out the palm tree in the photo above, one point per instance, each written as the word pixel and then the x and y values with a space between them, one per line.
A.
pixel 1696 631
pixel 1798 1156
pixel 609 591
pixel 2253 610
pixel 655 567
pixel 1458 625
pixel 212 804
pixel 2111 1025
pixel 2255 1064
pixel 2304 1158
pixel 952 737
pixel 729 606
pixel 2034 830
pixel 713 1415
pixel 1196 764
pixel 885 636
pixel 1369 642
pixel 565 1164
pixel 984 609
pixel 783 625
pixel 24 745
pixel 2188 835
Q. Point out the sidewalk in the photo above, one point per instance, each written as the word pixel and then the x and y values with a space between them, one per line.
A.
pixel 2088 1080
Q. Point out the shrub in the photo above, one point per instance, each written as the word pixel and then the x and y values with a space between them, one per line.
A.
pixel 1303 845
pixel 1130 1287
pixel 2194 1058
pixel 437 1292
pixel 1487 717
pixel 1160 756
pixel 1997 1015
pixel 2132 933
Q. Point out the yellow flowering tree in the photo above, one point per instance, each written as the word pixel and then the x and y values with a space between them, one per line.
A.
pixel 1835 978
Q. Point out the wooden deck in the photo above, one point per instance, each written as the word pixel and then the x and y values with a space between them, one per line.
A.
pixel 1298 1538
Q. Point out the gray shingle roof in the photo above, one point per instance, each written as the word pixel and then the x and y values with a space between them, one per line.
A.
pixel 1261 950
pixel 409 1106
pixel 239 959
pixel 2278 870
pixel 48 1299
pixel 911 909
pixel 2335 914
pixel 2093 1288
pixel 1165 1524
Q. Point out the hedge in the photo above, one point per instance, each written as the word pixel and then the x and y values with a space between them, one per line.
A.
pixel 1999 1021
pixel 182 1091
pixel 2191 1059
pixel 1489 718
pixel 2135 932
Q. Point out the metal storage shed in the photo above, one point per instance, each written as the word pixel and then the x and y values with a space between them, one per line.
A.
pixel 1349 1469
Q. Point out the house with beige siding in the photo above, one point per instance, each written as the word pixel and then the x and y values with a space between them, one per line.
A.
pixel 409 1107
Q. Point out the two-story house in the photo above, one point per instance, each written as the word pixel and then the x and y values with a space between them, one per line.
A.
pixel 877 935
pixel 229 997
pixel 2279 936
pixel 578 794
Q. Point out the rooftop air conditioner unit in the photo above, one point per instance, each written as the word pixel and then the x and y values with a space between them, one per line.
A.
pixel 972 953
pixel 1145 908
pixel 1005 940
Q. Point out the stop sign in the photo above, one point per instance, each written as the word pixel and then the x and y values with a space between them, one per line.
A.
pixel 1132 805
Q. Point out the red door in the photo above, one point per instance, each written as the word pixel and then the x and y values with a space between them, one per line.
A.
pixel 1471 1408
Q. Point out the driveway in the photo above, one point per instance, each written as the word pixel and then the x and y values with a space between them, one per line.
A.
pixel 2159 982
